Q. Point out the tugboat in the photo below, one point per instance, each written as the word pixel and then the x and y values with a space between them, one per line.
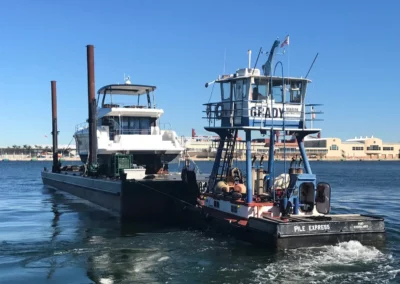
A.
pixel 287 210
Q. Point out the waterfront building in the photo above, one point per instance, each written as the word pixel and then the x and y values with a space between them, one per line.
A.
pixel 358 148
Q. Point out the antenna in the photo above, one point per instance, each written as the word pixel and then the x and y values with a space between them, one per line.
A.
pixel 255 64
pixel 224 61
pixel 312 64
pixel 249 53
pixel 127 79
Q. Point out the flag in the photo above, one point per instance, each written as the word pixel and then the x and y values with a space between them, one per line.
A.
pixel 45 136
pixel 286 41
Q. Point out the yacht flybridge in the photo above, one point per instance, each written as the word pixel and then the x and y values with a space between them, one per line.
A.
pixel 130 127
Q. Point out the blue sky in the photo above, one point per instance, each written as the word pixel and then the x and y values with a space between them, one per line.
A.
pixel 180 45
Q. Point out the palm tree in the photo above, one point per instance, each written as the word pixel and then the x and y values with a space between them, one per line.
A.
pixel 29 148
pixel 24 147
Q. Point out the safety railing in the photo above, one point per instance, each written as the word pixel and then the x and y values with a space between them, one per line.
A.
pixel 122 105
pixel 131 132
pixel 261 110
pixel 81 126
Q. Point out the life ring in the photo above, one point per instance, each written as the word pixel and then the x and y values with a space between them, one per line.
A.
pixel 218 111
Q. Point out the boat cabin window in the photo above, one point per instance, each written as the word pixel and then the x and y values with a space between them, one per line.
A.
pixel 128 101
pixel 277 92
pixel 290 91
pixel 258 90
pixel 225 91
pixel 136 125
pixel 241 90
pixel 295 92
pixel 128 125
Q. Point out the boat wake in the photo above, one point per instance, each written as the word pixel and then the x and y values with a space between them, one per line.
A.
pixel 347 262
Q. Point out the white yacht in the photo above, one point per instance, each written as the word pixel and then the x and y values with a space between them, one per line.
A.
pixel 130 128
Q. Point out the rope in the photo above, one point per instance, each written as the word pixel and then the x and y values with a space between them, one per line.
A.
pixel 65 148
pixel 166 194
pixel 211 93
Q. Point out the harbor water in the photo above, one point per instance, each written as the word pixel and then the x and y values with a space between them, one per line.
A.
pixel 47 236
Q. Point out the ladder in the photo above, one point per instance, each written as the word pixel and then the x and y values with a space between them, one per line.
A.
pixel 223 160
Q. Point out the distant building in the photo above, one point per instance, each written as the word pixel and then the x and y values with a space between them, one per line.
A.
pixel 25 151
pixel 367 148
pixel 356 148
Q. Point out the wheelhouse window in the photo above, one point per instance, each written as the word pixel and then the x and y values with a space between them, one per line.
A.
pixel 277 92
pixel 258 89
pixel 261 89
pixel 225 91
pixel 241 90
pixel 295 92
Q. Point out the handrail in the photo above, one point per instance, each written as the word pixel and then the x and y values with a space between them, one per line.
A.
pixel 293 111
pixel 131 132
pixel 124 105
pixel 164 124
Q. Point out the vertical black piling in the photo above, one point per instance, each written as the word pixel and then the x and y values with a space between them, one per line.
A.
pixel 54 131
pixel 92 111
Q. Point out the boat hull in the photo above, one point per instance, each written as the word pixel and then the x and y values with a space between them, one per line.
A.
pixel 152 200
pixel 272 234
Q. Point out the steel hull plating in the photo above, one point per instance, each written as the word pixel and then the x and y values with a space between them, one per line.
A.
pixel 152 200
pixel 288 235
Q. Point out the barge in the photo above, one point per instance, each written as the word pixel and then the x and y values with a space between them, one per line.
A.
pixel 125 156
pixel 285 209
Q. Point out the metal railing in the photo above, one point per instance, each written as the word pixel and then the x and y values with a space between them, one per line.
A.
pixel 165 126
pixel 122 105
pixel 216 111
pixel 81 126
pixel 131 132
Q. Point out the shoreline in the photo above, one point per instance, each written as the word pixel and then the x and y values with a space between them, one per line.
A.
pixel 63 160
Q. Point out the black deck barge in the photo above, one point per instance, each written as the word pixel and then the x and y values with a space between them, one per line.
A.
pixel 158 198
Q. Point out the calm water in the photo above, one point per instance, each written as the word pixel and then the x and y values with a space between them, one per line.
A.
pixel 51 237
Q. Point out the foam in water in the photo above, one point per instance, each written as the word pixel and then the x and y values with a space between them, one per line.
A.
pixel 345 262
pixel 163 258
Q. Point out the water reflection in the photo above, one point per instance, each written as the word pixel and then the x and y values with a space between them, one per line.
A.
pixel 102 242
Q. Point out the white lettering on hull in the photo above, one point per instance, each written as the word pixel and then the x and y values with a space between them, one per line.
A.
pixel 311 228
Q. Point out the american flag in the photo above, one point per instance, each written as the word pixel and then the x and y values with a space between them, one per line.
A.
pixel 286 41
